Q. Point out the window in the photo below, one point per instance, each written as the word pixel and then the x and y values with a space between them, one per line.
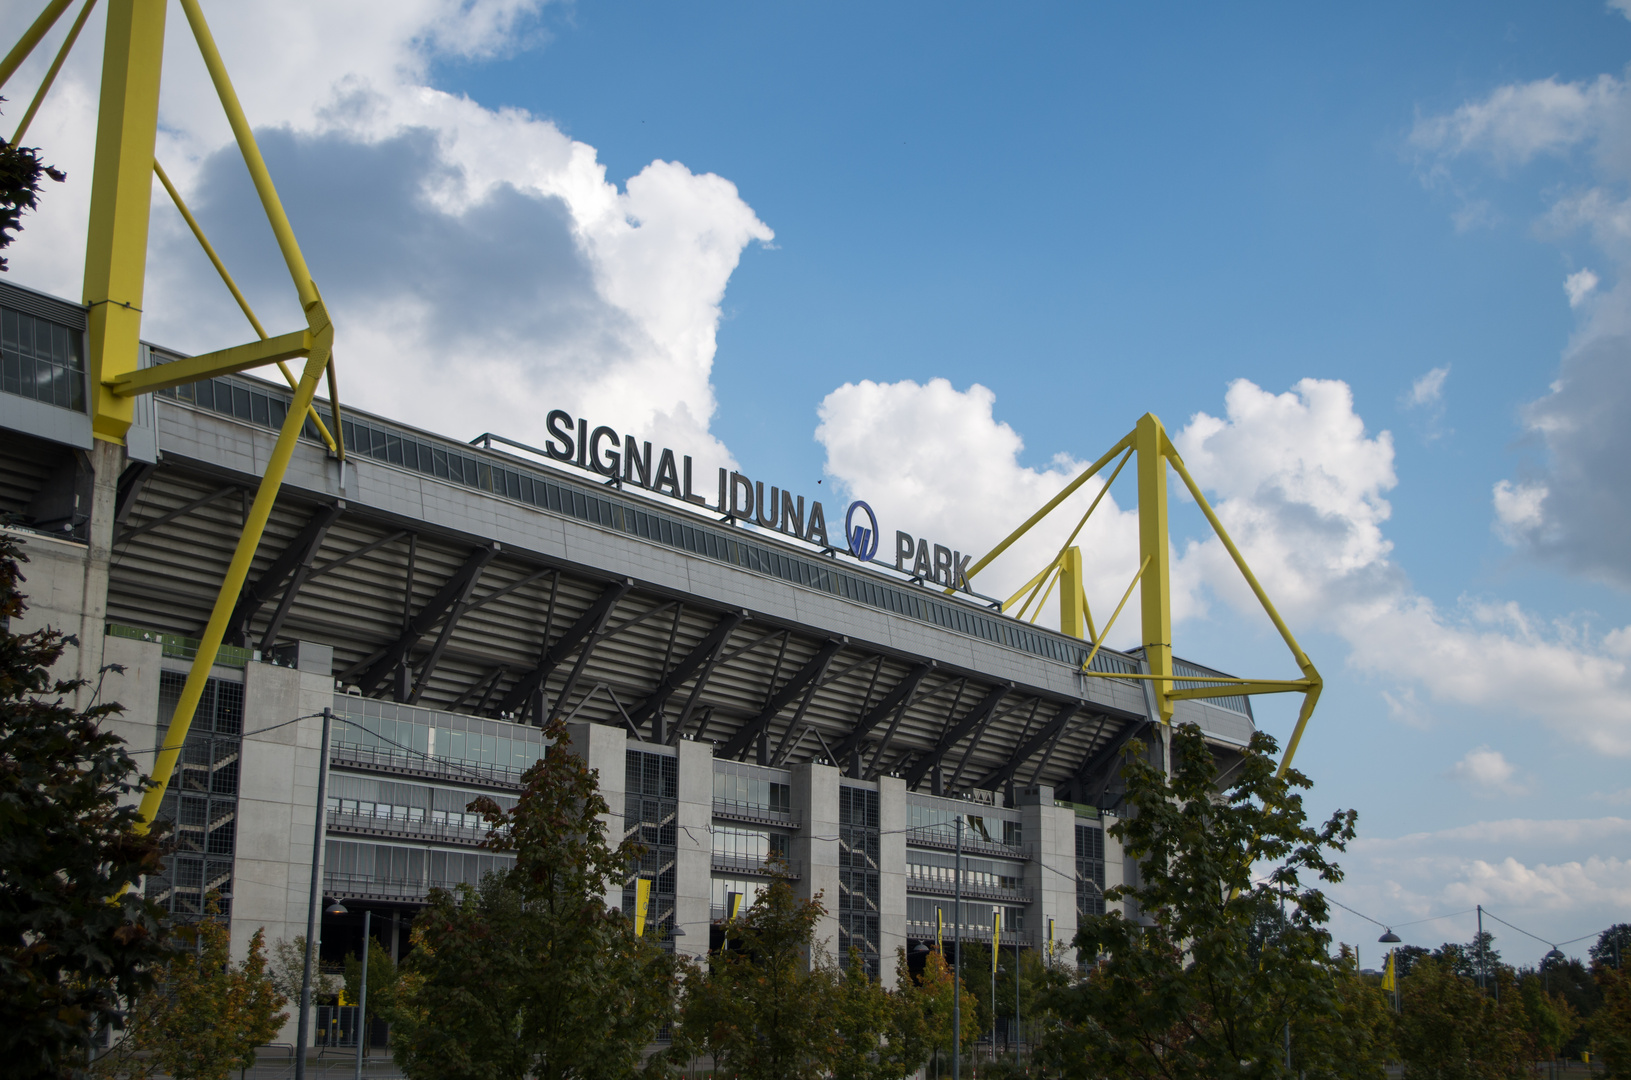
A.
pixel 1089 870
pixel 650 815
pixel 858 882
pixel 42 360
pixel 202 800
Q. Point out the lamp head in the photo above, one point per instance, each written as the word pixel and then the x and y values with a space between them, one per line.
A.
pixel 336 908
pixel 1390 938
pixel 1554 956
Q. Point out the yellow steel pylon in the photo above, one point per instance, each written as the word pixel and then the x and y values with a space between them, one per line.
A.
pixel 115 275
pixel 1148 442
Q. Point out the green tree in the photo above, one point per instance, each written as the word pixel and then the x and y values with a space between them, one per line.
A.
pixel 532 974
pixel 1449 1029
pixel 286 968
pixel 1360 1041
pixel 205 1016
pixel 863 1019
pixel 929 998
pixel 762 1009
pixel 1612 946
pixel 382 980
pixel 460 1002
pixel 1199 986
pixel 21 172
pixel 1611 1024
pixel 72 942
pixel 1552 1022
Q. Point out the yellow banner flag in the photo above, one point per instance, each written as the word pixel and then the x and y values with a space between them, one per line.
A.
pixel 940 930
pixel 733 905
pixel 996 936
pixel 1387 975
pixel 642 900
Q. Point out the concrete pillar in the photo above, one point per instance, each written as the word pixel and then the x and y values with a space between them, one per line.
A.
pixel 107 460
pixel 892 819
pixel 1115 864
pixel 603 749
pixel 1050 875
pixel 815 845
pixel 693 861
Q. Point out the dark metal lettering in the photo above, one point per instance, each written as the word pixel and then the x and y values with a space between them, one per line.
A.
pixel 905 546
pixel 634 460
pixel 765 520
pixel 559 424
pixel 817 532
pixel 667 476
pixel 613 460
pixel 792 522
pixel 583 443
pixel 942 564
pixel 920 565
pixel 740 483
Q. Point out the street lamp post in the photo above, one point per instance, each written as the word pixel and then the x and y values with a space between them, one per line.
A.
pixel 304 1027
pixel 362 993
pixel 957 975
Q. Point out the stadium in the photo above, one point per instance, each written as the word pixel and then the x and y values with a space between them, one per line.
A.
pixel 743 689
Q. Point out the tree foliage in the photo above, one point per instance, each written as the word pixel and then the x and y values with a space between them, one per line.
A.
pixel 205 1016
pixel 1612 946
pixel 1449 1029
pixel 929 999
pixel 21 174
pixel 763 1009
pixel 531 973
pixel 1205 984
pixel 72 944
pixel 1611 1025
pixel 382 980
pixel 285 966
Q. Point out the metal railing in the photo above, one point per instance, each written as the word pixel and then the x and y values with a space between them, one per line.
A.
pixel 374 825
pixel 748 864
pixel 754 812
pixel 919 883
pixel 364 887
pixel 505 777
pixel 944 838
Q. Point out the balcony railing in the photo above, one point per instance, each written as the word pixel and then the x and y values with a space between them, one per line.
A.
pixel 475 774
pixel 944 838
pixel 940 887
pixel 922 931
pixel 754 812
pixel 433 831
pixel 364 887
pixel 747 864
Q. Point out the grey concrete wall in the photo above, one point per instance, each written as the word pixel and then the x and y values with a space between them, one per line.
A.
pixel 602 748
pixel 137 690
pixel 53 587
pixel 892 819
pixel 277 807
pixel 1050 876
pixel 815 846
pixel 1115 864
pixel 693 869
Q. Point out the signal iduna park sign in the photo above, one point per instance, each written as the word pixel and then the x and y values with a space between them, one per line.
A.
pixel 626 460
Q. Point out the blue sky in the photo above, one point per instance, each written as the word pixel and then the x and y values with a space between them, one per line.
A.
pixel 809 213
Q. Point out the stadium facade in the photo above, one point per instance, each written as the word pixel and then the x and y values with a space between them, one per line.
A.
pixel 744 683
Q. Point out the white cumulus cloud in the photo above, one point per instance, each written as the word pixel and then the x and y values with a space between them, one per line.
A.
pixel 1579 506
pixel 1487 772
pixel 1300 484
pixel 1551 877
pixel 480 265
pixel 1579 285
pixel 1428 389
